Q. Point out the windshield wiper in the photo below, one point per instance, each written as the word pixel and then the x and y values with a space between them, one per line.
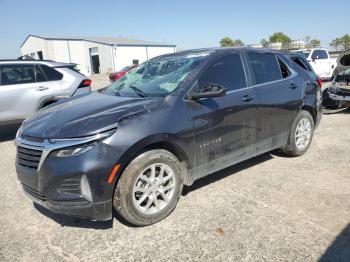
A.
pixel 138 91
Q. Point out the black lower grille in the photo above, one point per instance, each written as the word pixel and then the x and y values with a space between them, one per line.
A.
pixel 70 185
pixel 29 158
pixel 35 193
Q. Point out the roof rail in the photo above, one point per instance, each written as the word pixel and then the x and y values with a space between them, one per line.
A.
pixel 26 57
pixel 36 60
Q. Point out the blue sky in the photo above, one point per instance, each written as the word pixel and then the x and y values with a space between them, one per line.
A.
pixel 189 24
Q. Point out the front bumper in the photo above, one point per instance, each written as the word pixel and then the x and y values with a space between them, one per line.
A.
pixel 56 183
pixel 339 95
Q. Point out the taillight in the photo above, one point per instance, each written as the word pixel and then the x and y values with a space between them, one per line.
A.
pixel 319 82
pixel 85 83
pixel 117 76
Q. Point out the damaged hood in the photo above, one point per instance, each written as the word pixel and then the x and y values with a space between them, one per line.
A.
pixel 343 62
pixel 83 115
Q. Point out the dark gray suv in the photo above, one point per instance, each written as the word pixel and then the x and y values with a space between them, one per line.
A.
pixel 169 122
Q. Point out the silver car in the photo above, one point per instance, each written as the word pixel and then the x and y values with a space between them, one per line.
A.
pixel 27 86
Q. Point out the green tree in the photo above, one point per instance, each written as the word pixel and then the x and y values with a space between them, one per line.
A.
pixel 280 37
pixel 315 43
pixel 336 43
pixel 226 41
pixel 345 41
pixel 238 42
pixel 264 42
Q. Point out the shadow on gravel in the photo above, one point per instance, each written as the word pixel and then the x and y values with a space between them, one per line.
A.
pixel 340 248
pixel 212 178
pixel 66 221
pixel 8 132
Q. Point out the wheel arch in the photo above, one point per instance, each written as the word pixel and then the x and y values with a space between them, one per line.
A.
pixel 162 141
pixel 312 111
pixel 48 101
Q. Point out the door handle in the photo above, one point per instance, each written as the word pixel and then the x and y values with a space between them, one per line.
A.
pixel 247 98
pixel 41 88
pixel 293 86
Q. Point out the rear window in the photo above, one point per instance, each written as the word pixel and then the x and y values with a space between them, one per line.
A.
pixel 265 67
pixel 17 74
pixel 345 60
pixel 319 54
pixel 51 74
pixel 306 54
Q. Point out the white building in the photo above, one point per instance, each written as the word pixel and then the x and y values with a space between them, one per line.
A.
pixel 256 45
pixel 94 55
pixel 297 44
pixel 276 45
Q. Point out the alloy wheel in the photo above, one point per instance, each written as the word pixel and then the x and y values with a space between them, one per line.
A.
pixel 154 188
pixel 303 133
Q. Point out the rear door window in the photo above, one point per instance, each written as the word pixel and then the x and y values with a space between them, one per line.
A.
pixel 265 67
pixel 227 71
pixel 319 54
pixel 51 74
pixel 17 74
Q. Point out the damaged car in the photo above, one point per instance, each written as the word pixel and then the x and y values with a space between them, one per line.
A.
pixel 337 96
pixel 171 121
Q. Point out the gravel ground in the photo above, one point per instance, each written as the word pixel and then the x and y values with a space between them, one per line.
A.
pixel 268 208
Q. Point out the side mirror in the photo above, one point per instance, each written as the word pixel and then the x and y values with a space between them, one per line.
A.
pixel 209 90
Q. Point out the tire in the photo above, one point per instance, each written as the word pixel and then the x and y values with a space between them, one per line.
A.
pixel 297 147
pixel 137 192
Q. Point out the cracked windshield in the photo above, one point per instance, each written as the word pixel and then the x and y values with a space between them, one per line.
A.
pixel 156 77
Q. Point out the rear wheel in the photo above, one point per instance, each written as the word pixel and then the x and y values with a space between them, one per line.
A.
pixel 149 188
pixel 301 134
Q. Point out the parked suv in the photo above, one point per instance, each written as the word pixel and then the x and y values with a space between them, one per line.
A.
pixel 29 85
pixel 173 120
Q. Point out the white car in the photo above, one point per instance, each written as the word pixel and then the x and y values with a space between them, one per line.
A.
pixel 29 85
pixel 321 62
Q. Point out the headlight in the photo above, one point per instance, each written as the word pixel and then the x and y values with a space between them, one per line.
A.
pixel 72 151
pixel 19 132
pixel 78 146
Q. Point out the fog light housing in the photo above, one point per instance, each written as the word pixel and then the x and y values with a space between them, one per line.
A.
pixel 85 188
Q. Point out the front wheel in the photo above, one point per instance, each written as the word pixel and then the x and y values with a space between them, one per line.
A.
pixel 149 188
pixel 301 134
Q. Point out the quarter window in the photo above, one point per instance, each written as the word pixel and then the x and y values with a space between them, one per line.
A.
pixel 51 74
pixel 284 69
pixel 265 67
pixel 227 71
pixel 301 63
pixel 17 74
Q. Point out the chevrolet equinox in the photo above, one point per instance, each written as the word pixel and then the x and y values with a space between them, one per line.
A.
pixel 172 120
